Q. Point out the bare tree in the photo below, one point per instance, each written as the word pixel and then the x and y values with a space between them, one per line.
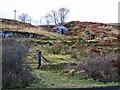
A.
pixel 41 18
pixel 23 17
pixel 48 20
pixel 54 17
pixel 58 16
pixel 29 19
pixel 62 14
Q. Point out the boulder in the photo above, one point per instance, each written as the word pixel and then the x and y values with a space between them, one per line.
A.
pixel 82 74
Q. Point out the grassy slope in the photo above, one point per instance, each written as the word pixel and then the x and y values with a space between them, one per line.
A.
pixel 54 78
pixel 18 26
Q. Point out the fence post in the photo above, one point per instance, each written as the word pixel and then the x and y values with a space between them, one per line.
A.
pixel 39 58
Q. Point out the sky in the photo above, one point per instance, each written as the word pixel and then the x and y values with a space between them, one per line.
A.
pixel 104 11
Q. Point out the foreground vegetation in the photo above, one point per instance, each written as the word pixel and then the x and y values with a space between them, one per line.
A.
pixel 59 79
pixel 15 72
pixel 91 70
pixel 68 67
pixel 74 61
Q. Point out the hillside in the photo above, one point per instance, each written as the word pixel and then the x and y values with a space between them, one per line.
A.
pixel 99 37
pixel 18 26
pixel 85 58
pixel 14 25
pixel 103 37
pixel 99 29
pixel 15 22
pixel 76 28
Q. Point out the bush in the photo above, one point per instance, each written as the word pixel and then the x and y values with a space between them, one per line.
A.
pixel 101 68
pixel 57 48
pixel 77 52
pixel 73 52
pixel 15 73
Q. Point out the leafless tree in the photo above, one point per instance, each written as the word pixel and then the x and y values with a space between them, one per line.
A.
pixel 62 14
pixel 29 19
pixel 54 17
pixel 48 20
pixel 41 18
pixel 58 16
pixel 23 17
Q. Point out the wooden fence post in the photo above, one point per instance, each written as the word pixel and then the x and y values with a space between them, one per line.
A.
pixel 39 58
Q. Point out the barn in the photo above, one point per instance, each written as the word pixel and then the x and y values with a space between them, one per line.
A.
pixel 61 29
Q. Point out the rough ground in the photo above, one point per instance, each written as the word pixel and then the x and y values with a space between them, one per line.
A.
pixel 57 79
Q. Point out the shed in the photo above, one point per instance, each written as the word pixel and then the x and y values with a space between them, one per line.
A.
pixel 61 29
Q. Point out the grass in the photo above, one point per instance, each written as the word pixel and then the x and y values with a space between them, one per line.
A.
pixel 54 79
pixel 58 58
pixel 36 30
pixel 53 58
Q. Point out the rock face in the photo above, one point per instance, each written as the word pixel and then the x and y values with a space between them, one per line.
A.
pixel 69 72
pixel 81 73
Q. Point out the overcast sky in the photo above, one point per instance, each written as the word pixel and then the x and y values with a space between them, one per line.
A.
pixel 105 11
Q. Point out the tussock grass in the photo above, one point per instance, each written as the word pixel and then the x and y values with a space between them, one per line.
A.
pixel 36 30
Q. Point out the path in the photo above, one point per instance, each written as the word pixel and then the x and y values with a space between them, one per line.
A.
pixel 58 79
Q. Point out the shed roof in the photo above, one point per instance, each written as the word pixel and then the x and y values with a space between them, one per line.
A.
pixel 60 27
pixel 56 27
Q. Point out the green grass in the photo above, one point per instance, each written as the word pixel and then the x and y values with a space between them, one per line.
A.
pixel 53 58
pixel 54 79
pixel 58 58
pixel 92 41
pixel 52 76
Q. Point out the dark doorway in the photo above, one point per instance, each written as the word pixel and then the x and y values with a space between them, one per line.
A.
pixel 93 36
pixel 62 31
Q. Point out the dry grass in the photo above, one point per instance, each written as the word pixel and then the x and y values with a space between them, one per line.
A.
pixel 101 68
pixel 36 30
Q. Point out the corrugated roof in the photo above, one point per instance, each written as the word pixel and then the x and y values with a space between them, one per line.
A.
pixel 56 27
pixel 60 27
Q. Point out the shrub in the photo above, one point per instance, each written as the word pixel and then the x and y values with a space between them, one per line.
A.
pixel 77 51
pixel 74 53
pixel 100 68
pixel 56 48
pixel 15 73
